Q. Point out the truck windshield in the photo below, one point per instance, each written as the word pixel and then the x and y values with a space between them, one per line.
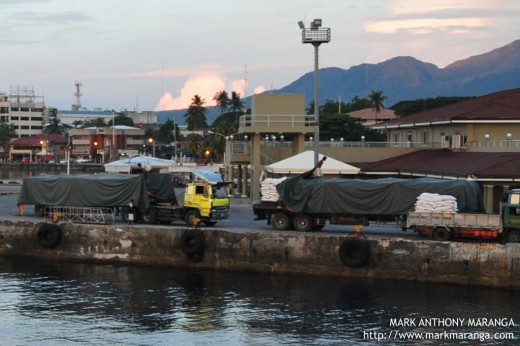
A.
pixel 219 192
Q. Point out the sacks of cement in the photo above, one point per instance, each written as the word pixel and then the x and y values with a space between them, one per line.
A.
pixel 268 190
pixel 435 203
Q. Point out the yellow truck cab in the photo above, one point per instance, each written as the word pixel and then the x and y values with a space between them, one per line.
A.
pixel 207 201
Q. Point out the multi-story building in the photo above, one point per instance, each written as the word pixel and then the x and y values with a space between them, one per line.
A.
pixel 104 144
pixel 26 110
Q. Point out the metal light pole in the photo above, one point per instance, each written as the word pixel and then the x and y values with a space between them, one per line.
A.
pixel 315 35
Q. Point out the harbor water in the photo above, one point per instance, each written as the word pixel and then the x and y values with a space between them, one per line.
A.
pixel 69 303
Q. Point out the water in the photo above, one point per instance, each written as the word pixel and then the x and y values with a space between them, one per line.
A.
pixel 60 303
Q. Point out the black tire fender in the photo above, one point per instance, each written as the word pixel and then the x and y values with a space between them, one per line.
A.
pixel 49 235
pixel 192 242
pixel 354 252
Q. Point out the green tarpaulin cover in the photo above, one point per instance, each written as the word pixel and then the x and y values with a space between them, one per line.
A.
pixel 389 196
pixel 100 190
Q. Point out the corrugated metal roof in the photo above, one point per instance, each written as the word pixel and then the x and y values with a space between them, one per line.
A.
pixel 445 163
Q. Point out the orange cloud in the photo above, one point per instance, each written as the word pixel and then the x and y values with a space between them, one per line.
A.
pixel 204 84
pixel 259 89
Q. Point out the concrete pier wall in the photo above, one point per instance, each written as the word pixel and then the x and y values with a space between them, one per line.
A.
pixel 313 254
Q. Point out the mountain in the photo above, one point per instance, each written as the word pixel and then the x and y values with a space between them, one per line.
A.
pixel 406 78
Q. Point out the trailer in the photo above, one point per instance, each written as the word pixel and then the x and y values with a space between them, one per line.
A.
pixel 307 203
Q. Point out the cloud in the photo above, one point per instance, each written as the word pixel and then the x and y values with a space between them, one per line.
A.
pixel 425 25
pixel 403 7
pixel 205 84
pixel 259 89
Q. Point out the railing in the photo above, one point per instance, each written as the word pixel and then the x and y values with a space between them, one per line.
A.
pixel 275 120
pixel 79 214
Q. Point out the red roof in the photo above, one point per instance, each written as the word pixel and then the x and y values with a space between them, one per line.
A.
pixel 479 165
pixel 502 105
pixel 35 140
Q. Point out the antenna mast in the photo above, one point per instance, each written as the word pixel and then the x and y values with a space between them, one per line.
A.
pixel 77 95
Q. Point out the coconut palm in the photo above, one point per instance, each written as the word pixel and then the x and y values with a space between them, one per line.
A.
pixel 195 117
pixel 377 98
pixel 222 100
pixel 235 104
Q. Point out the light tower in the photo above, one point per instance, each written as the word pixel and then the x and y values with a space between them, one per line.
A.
pixel 315 35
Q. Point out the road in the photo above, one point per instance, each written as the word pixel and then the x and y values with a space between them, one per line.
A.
pixel 241 219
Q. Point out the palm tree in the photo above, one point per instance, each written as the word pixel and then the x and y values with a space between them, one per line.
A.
pixel 196 115
pixel 54 126
pixel 222 100
pixel 7 132
pixel 235 104
pixel 377 98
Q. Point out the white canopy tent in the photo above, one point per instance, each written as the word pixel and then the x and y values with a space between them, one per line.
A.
pixel 304 161
pixel 148 162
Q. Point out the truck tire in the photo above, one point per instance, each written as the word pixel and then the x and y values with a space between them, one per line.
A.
pixel 49 235
pixel 441 234
pixel 192 242
pixel 513 237
pixel 210 223
pixel 303 223
pixel 124 214
pixel 149 216
pixel 354 252
pixel 39 210
pixel 190 216
pixel 280 222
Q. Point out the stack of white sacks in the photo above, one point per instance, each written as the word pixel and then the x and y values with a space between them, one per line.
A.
pixel 435 203
pixel 268 189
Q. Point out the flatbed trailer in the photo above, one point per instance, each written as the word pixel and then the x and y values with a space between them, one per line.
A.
pixel 444 226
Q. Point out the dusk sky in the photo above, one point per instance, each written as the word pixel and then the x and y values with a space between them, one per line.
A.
pixel 157 54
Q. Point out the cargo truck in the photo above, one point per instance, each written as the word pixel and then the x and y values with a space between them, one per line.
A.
pixel 504 226
pixel 307 203
pixel 148 198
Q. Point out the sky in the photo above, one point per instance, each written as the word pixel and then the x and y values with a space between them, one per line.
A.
pixel 156 55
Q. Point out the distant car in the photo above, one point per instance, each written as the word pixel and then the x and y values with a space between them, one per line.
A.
pixel 63 161
pixel 25 160
pixel 52 161
pixel 202 162
pixel 82 161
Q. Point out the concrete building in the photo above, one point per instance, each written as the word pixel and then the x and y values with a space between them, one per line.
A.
pixel 25 112
pixel 104 144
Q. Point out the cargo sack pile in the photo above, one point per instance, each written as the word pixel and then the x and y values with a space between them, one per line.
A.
pixel 268 189
pixel 434 203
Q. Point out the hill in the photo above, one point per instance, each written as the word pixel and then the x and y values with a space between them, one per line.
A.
pixel 406 78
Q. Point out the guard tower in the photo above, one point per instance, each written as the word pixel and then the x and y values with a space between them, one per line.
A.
pixel 274 114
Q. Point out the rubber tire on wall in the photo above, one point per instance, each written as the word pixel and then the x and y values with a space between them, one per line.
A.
pixel 354 252
pixel 192 242
pixel 49 235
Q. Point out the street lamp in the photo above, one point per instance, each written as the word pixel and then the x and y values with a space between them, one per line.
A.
pixel 152 142
pixel 316 36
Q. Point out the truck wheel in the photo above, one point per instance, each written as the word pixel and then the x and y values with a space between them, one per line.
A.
pixel 303 223
pixel 190 216
pixel 49 235
pixel 441 234
pixel 280 222
pixel 210 223
pixel 124 214
pixel 39 210
pixel 513 237
pixel 149 216
pixel 354 252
